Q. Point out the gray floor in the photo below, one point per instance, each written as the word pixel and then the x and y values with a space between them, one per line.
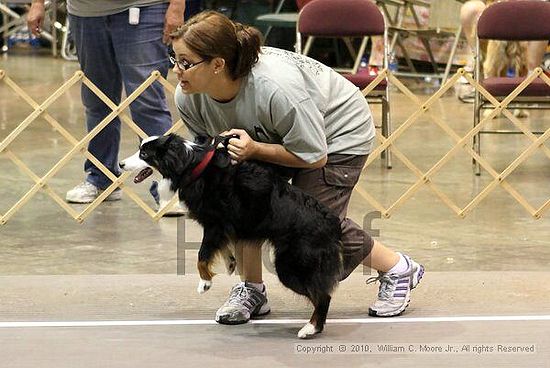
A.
pixel 119 265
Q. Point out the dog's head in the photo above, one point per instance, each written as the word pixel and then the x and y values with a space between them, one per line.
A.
pixel 172 156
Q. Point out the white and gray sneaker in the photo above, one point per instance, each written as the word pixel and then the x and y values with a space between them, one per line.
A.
pixel 394 294
pixel 245 301
pixel 87 192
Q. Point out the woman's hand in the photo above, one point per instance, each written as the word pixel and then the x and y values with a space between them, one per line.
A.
pixel 241 149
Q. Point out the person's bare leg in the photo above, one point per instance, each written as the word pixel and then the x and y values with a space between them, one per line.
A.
pixel 249 260
pixel 535 53
pixel 381 258
pixel 241 306
pixel 469 14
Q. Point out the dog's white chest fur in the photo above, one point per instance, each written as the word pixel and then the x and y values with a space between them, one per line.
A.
pixel 165 193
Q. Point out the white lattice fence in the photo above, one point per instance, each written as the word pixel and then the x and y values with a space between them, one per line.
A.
pixel 464 143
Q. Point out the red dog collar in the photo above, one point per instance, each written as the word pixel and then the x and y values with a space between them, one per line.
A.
pixel 197 171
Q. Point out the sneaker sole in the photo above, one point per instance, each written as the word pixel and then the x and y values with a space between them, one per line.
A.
pixel 415 283
pixel 261 312
pixel 90 201
pixel 174 214
pixel 110 198
pixel 227 321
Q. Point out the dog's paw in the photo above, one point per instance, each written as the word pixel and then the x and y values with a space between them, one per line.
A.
pixel 204 286
pixel 230 264
pixel 308 331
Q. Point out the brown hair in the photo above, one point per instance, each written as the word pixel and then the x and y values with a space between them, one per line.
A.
pixel 210 34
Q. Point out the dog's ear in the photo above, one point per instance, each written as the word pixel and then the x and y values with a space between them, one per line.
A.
pixel 221 158
pixel 224 140
pixel 202 139
pixel 162 142
pixel 165 139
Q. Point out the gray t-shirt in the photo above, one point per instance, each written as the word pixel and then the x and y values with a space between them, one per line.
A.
pixel 100 8
pixel 292 100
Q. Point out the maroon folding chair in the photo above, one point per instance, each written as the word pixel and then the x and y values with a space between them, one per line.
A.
pixel 527 20
pixel 347 20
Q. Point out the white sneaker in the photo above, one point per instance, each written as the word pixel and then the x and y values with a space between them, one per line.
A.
pixel 394 293
pixel 87 192
pixel 244 302
pixel 464 91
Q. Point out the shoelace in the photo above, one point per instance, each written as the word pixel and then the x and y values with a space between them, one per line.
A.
pixel 387 284
pixel 239 294
pixel 85 185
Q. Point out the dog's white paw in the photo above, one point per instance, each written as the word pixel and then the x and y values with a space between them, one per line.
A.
pixel 307 331
pixel 230 264
pixel 204 286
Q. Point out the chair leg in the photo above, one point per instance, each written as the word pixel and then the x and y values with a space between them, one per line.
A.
pixel 477 141
pixel 452 55
pixel 386 129
pixel 267 32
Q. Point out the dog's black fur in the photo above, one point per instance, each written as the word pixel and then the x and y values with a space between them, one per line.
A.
pixel 251 201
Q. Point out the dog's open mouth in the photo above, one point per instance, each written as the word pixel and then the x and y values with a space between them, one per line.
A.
pixel 143 174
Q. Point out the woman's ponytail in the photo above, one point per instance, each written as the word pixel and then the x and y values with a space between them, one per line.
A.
pixel 249 41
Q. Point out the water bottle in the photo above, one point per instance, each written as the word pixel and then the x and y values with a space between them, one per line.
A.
pixel 364 65
pixel 393 65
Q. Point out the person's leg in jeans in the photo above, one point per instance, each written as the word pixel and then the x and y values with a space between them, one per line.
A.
pixel 97 60
pixel 139 52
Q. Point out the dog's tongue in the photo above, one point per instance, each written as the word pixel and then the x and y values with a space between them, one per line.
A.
pixel 143 174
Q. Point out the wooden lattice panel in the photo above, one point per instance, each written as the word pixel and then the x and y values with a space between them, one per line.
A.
pixel 423 178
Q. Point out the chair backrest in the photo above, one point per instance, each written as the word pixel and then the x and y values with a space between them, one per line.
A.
pixel 341 18
pixel 515 20
pixel 301 3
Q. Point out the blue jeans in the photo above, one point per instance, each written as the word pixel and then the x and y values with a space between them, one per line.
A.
pixel 112 54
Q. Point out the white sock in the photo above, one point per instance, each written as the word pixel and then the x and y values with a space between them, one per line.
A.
pixel 401 266
pixel 258 286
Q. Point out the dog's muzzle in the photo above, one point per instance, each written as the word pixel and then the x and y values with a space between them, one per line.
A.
pixel 134 163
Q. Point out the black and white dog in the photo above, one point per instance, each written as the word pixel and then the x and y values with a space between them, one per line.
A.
pixel 249 200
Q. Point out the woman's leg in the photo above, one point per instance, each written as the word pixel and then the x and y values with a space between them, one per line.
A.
pixel 333 186
pixel 535 53
pixel 381 258
pixel 398 274
pixel 249 260
pixel 248 298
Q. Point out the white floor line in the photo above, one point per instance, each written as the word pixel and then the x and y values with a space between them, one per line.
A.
pixel 192 322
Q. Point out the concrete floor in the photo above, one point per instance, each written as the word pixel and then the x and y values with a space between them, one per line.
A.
pixel 119 265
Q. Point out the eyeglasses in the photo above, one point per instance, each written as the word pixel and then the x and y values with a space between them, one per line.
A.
pixel 183 64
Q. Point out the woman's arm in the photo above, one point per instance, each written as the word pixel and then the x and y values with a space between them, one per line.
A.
pixel 245 148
